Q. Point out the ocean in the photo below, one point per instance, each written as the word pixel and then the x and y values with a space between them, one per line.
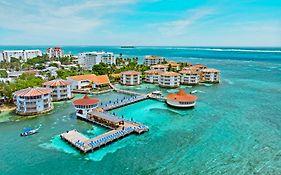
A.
pixel 235 127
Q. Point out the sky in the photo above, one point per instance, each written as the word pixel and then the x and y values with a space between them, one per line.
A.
pixel 141 22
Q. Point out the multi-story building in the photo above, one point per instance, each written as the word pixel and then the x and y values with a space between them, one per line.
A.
pixel 174 66
pixel 181 100
pixel 169 79
pixel 152 76
pixel 153 60
pixel 189 77
pixel 55 52
pixel 32 101
pixel 88 59
pixel 130 78
pixel 196 67
pixel 22 55
pixel 210 75
pixel 61 89
pixel 159 67
pixel 85 105
pixel 88 81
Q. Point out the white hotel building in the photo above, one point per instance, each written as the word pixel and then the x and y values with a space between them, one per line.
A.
pixel 88 59
pixel 152 76
pixel 61 89
pixel 210 75
pixel 32 101
pixel 130 78
pixel 169 79
pixel 189 77
pixel 23 55
pixel 153 60
pixel 55 52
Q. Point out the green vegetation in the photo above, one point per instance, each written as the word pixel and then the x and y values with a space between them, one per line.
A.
pixel 24 81
pixel 66 73
pixel 3 74
pixel 122 65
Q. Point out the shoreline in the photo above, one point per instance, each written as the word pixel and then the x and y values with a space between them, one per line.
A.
pixel 7 108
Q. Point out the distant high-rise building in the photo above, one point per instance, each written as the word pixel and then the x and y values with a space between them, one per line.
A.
pixel 88 59
pixel 55 52
pixel 23 55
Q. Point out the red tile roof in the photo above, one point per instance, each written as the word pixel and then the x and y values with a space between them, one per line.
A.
pixel 58 82
pixel 100 79
pixel 152 72
pixel 86 101
pixel 130 72
pixel 169 74
pixel 181 96
pixel 31 92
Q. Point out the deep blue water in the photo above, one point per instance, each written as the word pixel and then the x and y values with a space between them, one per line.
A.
pixel 182 53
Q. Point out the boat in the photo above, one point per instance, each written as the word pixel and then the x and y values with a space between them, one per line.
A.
pixel 128 47
pixel 29 131
pixel 193 92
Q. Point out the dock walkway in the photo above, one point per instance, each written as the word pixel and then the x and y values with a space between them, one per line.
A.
pixel 121 102
pixel 120 127
pixel 85 144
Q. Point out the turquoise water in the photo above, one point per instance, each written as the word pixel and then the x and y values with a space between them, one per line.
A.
pixel 234 129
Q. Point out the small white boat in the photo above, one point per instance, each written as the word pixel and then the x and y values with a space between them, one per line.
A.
pixel 193 92
pixel 29 131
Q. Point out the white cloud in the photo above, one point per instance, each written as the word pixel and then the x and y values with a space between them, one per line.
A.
pixel 53 17
pixel 180 26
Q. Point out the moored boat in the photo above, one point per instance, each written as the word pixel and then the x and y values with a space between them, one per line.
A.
pixel 29 131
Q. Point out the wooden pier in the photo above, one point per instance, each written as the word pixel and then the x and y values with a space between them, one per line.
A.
pixel 120 128
pixel 122 102
pixel 85 144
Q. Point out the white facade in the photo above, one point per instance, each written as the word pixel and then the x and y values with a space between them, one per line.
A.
pixel 153 60
pixel 181 104
pixel 169 80
pixel 210 75
pixel 61 89
pixel 88 59
pixel 189 77
pixel 32 105
pixel 55 52
pixel 159 67
pixel 23 55
pixel 130 78
pixel 151 76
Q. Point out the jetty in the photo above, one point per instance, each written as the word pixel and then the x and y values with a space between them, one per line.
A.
pixel 120 128
pixel 122 102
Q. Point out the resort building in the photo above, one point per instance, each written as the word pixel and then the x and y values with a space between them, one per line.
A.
pixel 153 60
pixel 130 78
pixel 32 101
pixel 55 52
pixel 169 79
pixel 85 105
pixel 181 100
pixel 152 76
pixel 189 77
pixel 198 67
pixel 210 75
pixel 61 89
pixel 159 67
pixel 22 55
pixel 88 82
pixel 88 59
pixel 174 66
